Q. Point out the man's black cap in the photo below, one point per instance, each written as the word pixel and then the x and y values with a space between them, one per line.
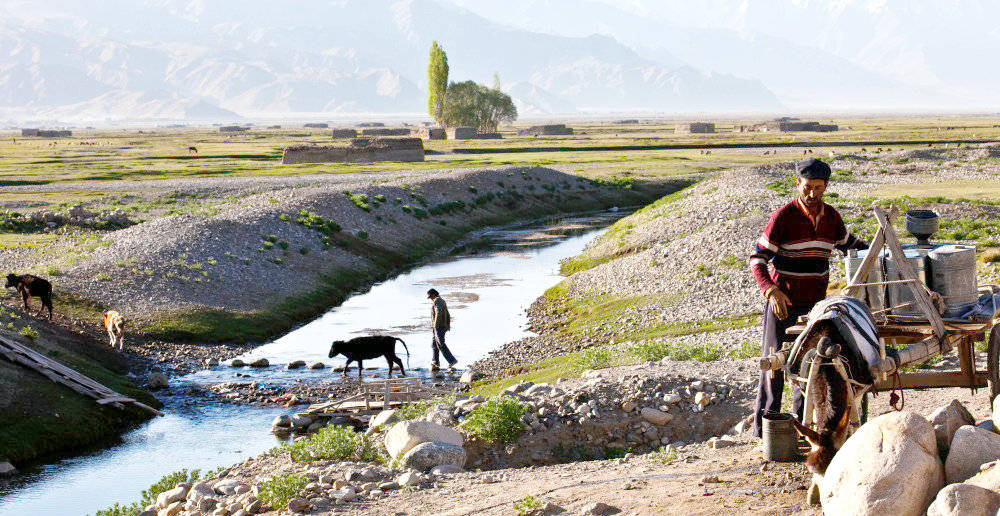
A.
pixel 813 168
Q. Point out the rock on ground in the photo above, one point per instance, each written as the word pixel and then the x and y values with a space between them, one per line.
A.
pixel 946 421
pixel 970 448
pixel 404 436
pixel 425 456
pixel 889 466
pixel 988 476
pixel 964 500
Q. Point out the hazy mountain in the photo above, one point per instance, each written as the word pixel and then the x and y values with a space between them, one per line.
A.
pixel 219 58
pixel 848 54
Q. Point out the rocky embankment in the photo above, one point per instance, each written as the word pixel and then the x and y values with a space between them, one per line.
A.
pixel 287 253
pixel 678 266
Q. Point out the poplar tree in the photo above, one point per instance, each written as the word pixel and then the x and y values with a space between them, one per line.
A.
pixel 437 82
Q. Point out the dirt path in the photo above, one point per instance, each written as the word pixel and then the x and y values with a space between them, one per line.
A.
pixel 701 481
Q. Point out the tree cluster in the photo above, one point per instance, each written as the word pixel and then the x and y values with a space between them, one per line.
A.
pixel 465 103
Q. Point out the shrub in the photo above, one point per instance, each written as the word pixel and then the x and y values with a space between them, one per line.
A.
pixel 268 244
pixel 595 358
pixel 363 235
pixel 29 332
pixel 285 217
pixel 276 491
pixel 283 244
pixel 747 349
pixel 52 270
pixel 211 261
pixel 335 443
pixel 651 350
pixel 499 420
pixel 528 505
pixel 380 198
pixel 165 483
pixel 304 250
pixel 277 260
pixel 361 201
pixel 104 277
pixel 314 221
pixel 990 256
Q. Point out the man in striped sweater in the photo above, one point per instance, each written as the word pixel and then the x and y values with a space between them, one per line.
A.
pixel 791 263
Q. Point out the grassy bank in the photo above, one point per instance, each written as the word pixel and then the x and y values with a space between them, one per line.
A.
pixel 38 417
pixel 385 258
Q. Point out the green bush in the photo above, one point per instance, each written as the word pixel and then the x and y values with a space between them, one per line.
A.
pixel 29 332
pixel 283 244
pixel 499 420
pixel 363 235
pixel 275 492
pixel 595 358
pixel 651 351
pixel 335 443
pixel 52 270
pixel 165 483
pixel 361 201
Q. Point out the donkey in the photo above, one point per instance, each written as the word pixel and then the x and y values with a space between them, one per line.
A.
pixel 831 397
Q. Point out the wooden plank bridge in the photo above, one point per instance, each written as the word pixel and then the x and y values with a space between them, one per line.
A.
pixel 63 375
pixel 375 396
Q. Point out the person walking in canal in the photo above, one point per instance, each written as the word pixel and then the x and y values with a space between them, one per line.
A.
pixel 440 324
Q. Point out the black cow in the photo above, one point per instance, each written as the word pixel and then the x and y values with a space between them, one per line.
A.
pixel 366 348
pixel 29 285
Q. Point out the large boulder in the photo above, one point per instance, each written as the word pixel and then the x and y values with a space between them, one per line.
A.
pixel 404 436
pixel 946 421
pixel 970 448
pixel 157 380
pixel 988 476
pixel 383 420
pixel 201 491
pixel 889 466
pixel 964 500
pixel 425 456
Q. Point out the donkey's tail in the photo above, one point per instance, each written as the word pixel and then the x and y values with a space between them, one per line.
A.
pixel 407 351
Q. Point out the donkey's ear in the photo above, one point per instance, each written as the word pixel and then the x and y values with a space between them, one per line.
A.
pixel 808 433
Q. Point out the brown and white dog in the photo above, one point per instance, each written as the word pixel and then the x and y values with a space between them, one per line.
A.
pixel 115 323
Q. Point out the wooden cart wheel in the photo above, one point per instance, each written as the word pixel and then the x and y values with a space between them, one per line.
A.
pixel 992 359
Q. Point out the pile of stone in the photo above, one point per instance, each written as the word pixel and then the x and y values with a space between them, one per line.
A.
pixel 47 133
pixel 330 484
pixel 360 150
pixel 80 216
pixel 345 133
pixel 903 464
pixel 396 131
pixel 546 130
pixel 317 125
pixel 233 129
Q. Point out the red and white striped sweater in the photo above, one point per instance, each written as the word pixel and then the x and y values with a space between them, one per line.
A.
pixel 798 252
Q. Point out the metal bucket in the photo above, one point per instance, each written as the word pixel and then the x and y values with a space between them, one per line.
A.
pixel 901 293
pixel 874 295
pixel 953 275
pixel 922 224
pixel 781 441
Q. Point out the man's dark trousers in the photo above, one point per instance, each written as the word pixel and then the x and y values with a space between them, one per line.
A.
pixel 772 383
pixel 438 344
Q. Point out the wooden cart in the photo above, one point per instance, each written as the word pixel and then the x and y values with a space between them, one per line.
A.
pixel 916 338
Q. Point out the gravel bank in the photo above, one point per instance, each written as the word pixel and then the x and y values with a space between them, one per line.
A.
pixel 683 259
pixel 301 234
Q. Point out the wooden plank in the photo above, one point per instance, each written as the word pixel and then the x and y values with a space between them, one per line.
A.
pixel 63 375
pixel 933 379
pixel 861 275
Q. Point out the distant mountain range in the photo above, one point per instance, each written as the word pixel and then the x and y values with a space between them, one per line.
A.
pixel 219 60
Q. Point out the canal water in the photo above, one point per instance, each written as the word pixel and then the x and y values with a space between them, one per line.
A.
pixel 487 289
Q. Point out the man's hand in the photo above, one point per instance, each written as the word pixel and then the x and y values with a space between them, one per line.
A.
pixel 778 302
